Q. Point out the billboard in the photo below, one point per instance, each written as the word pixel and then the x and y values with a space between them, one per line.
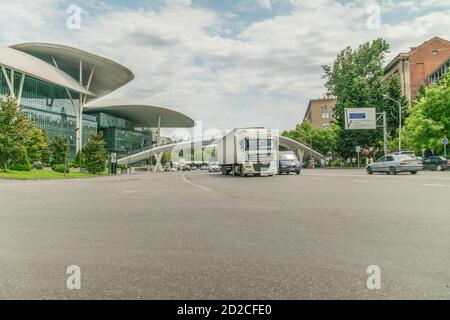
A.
pixel 360 118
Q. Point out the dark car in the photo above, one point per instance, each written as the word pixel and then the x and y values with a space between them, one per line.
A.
pixel 437 163
pixel 288 163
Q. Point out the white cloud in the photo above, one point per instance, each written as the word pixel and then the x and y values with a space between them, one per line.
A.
pixel 262 76
pixel 265 4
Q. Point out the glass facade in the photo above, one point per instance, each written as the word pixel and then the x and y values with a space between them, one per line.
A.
pixel 121 136
pixel 49 106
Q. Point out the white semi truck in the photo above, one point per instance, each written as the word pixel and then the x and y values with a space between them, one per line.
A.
pixel 248 151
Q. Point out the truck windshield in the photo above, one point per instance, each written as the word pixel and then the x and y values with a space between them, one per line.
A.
pixel 257 144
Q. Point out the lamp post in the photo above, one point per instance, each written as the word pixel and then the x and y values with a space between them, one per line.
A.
pixel 399 121
pixel 64 118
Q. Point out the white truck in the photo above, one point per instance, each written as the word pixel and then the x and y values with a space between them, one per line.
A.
pixel 248 151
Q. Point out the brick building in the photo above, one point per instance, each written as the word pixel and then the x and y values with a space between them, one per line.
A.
pixel 416 66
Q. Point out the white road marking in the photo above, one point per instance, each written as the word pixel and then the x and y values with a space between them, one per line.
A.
pixel 361 181
pixel 195 185
pixel 149 190
pixel 435 185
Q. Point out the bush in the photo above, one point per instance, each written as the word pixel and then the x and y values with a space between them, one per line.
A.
pixel 338 163
pixel 21 164
pixel 122 166
pixel 60 168
pixel 95 153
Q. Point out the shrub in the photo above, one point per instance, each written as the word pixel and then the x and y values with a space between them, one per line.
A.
pixel 95 153
pixel 60 168
pixel 22 163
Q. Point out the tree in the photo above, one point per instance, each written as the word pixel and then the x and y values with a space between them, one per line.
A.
pixel 95 153
pixel 38 146
pixel 357 80
pixel 166 158
pixel 59 149
pixel 429 120
pixel 15 131
pixel 322 140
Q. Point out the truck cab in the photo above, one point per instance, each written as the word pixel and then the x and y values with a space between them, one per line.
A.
pixel 248 151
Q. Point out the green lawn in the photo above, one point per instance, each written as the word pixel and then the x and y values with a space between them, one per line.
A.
pixel 45 175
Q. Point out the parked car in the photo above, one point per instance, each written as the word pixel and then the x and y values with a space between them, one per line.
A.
pixel 214 167
pixel 437 163
pixel 288 162
pixel 393 164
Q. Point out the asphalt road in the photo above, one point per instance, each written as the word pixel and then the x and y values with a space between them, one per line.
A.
pixel 203 236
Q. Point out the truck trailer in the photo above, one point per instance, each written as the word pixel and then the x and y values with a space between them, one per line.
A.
pixel 248 151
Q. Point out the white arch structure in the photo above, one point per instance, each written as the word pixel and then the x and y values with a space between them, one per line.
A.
pixel 299 148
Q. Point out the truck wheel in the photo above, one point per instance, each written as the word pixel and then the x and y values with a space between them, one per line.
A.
pixel 234 172
pixel 241 171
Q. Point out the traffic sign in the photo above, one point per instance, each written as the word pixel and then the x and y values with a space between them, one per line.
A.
pixel 358 149
pixel 360 118
pixel 445 141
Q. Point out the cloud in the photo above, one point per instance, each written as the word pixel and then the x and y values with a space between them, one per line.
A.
pixel 265 4
pixel 262 73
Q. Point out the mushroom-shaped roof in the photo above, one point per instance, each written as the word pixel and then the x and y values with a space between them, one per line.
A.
pixel 142 115
pixel 32 66
pixel 108 75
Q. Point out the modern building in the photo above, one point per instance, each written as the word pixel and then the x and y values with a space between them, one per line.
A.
pixel 415 67
pixel 56 84
pixel 127 125
pixel 320 112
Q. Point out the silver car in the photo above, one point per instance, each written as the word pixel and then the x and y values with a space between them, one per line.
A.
pixel 392 164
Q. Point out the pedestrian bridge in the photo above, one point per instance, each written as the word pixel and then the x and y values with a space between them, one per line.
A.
pixel 298 148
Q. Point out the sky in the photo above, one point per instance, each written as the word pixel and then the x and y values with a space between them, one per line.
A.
pixel 226 63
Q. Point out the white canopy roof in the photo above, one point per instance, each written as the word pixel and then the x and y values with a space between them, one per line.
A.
pixel 25 63
pixel 141 114
pixel 108 75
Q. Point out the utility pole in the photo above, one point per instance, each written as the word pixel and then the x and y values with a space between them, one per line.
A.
pixel 399 121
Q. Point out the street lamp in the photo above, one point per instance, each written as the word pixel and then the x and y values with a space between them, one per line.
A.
pixel 399 121
pixel 64 119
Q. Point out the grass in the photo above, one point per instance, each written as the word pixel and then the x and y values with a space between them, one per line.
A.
pixel 46 174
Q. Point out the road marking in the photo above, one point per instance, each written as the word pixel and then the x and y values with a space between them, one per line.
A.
pixel 195 185
pixel 436 185
pixel 319 178
pixel 360 181
pixel 149 190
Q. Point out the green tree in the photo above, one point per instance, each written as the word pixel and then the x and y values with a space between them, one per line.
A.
pixel 429 120
pixel 95 153
pixel 38 146
pixel 322 140
pixel 21 162
pixel 166 158
pixel 357 80
pixel 15 131
pixel 393 90
pixel 59 149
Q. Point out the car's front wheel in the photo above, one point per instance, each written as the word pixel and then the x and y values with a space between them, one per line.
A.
pixel 369 170
pixel 413 172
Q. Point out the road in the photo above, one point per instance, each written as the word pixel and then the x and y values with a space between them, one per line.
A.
pixel 206 236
